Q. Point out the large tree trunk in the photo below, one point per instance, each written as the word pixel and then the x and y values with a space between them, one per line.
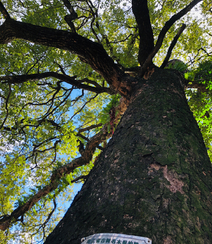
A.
pixel 154 177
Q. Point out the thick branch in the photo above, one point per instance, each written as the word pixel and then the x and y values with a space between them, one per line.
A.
pixel 70 8
pixel 141 12
pixel 4 11
pixel 163 32
pixel 68 79
pixel 7 220
pixel 72 16
pixel 90 52
pixel 168 55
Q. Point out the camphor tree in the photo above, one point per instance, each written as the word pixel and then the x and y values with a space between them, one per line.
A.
pixel 89 82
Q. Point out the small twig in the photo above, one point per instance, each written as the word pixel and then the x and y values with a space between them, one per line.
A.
pixel 50 214
pixel 61 68
pixel 90 82
pixel 89 127
pixel 83 106
pixel 168 55
pixel 6 106
pixel 43 225
pixel 86 139
pixel 51 109
pixel 82 177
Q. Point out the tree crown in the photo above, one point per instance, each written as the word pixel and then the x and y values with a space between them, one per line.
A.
pixel 67 70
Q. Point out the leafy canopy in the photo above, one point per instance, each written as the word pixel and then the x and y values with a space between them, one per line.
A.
pixel 43 116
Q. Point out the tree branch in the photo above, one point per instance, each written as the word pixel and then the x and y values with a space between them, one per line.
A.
pixel 43 225
pixel 89 52
pixel 7 220
pixel 193 84
pixel 81 178
pixel 89 128
pixel 141 12
pixel 6 107
pixel 4 11
pixel 86 139
pixel 83 106
pixel 70 8
pixel 163 32
pixel 16 79
pixel 168 55
pixel 93 143
pixel 70 17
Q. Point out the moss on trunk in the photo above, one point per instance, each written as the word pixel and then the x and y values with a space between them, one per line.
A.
pixel 154 177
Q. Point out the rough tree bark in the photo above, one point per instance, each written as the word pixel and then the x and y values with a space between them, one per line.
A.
pixel 153 179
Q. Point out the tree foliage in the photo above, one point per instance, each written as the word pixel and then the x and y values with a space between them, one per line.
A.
pixel 55 91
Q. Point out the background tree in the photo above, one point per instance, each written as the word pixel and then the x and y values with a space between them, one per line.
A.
pixel 69 70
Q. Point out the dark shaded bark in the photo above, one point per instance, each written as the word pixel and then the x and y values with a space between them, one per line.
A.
pixel 141 12
pixel 153 179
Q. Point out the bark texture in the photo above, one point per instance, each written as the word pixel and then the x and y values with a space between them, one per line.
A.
pixel 154 177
